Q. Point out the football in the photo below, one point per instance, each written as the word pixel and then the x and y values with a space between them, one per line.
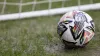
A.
pixel 76 29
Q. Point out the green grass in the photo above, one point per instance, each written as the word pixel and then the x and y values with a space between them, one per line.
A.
pixel 38 36
pixel 1 8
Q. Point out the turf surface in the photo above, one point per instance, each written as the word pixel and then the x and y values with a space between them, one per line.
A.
pixel 38 37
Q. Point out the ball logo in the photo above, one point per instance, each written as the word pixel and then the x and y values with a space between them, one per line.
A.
pixel 80 18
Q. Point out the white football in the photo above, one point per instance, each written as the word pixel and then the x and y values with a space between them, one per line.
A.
pixel 76 28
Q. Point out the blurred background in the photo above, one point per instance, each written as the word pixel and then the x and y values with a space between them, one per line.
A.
pixel 15 6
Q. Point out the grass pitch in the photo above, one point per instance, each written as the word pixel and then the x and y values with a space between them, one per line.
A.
pixel 38 36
